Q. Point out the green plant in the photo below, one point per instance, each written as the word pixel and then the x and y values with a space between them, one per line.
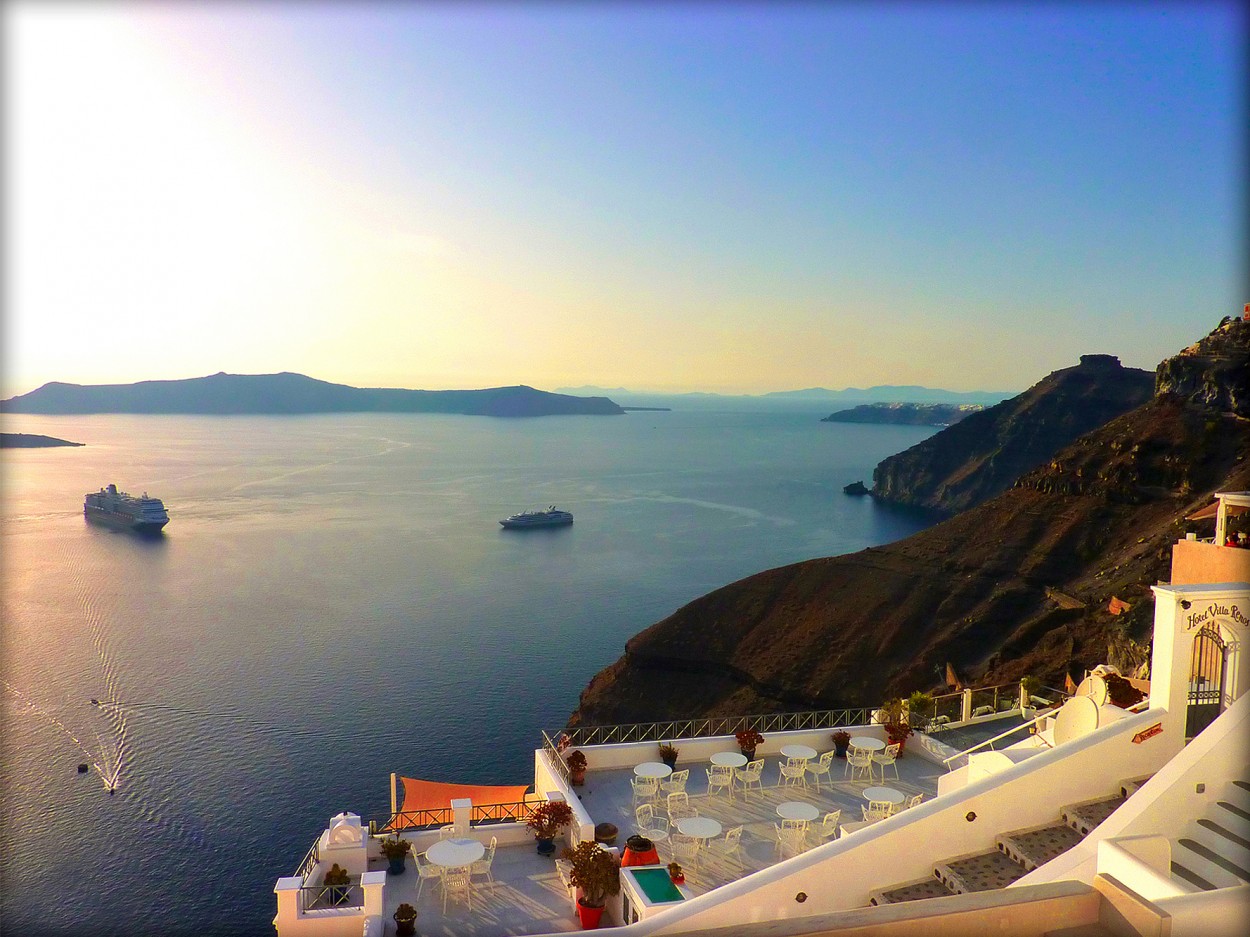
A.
pixel 576 760
pixel 595 871
pixel 668 751
pixel 675 870
pixel 337 876
pixel 405 919
pixel 395 848
pixel 749 739
pixel 892 711
pixel 547 820
pixel 919 708
pixel 1030 684
pixel 842 737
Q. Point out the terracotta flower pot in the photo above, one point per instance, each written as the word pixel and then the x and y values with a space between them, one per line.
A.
pixel 589 915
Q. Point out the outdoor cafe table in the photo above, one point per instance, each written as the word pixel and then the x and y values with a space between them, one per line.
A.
pixel 699 827
pixel 887 794
pixel 652 769
pixel 729 759
pixel 455 852
pixel 868 742
pixel 798 751
pixel 797 810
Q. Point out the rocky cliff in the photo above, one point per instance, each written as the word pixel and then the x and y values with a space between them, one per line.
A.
pixel 1019 584
pixel 983 455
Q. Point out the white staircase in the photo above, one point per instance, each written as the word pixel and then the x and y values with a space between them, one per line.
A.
pixel 1214 851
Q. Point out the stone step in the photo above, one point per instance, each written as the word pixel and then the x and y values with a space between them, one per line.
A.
pixel 1233 845
pixel 979 872
pixel 1037 845
pixel 1084 816
pixel 1237 793
pixel 1081 930
pixel 1190 877
pixel 1209 865
pixel 910 891
pixel 1130 786
pixel 1230 813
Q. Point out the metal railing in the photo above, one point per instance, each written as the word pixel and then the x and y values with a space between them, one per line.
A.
pixel 990 742
pixel 324 897
pixel 994 699
pixel 518 811
pixel 576 736
pixel 310 862
pixel 948 707
pixel 555 758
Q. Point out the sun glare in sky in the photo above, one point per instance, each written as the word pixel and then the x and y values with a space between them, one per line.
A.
pixel 658 196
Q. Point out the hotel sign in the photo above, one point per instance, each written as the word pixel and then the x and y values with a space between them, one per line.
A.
pixel 1148 733
pixel 1215 609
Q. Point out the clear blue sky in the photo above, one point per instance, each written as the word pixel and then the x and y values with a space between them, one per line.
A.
pixel 657 196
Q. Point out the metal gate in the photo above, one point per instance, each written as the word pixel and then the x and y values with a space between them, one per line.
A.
pixel 1206 680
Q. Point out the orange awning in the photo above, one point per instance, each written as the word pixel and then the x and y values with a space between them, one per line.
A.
pixel 422 795
pixel 1212 509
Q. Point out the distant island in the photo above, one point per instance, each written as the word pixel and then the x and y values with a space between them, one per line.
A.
pixel 289 393
pixel 33 441
pixel 908 414
pixel 881 393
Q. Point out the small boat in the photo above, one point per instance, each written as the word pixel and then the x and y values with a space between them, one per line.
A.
pixel 552 517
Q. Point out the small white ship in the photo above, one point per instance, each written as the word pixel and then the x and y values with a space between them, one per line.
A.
pixel 119 509
pixel 548 518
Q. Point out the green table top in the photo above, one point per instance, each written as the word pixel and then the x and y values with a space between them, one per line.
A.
pixel 656 885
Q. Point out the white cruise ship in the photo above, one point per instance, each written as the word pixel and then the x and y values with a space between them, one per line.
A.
pixel 552 517
pixel 119 509
pixel 1013 810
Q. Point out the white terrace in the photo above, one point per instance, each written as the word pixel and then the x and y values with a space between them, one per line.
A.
pixel 1089 819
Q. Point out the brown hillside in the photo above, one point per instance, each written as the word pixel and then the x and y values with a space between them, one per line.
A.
pixel 1097 520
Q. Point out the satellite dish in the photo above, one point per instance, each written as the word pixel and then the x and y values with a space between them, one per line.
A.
pixel 1095 687
pixel 1079 716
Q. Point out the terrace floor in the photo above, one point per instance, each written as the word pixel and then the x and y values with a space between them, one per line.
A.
pixel 528 898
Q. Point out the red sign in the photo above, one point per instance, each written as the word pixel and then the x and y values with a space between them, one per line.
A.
pixel 1147 733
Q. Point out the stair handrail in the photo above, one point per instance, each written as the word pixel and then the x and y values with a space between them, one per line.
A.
pixel 1141 704
pixel 1002 735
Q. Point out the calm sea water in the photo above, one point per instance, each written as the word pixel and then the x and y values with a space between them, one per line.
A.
pixel 334 600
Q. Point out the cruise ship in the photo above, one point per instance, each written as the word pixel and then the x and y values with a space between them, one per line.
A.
pixel 1015 809
pixel 552 517
pixel 119 509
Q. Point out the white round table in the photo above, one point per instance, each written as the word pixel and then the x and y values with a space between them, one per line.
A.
pixel 797 810
pixel 699 827
pixel 455 852
pixel 798 751
pixel 652 769
pixel 887 794
pixel 729 759
pixel 868 742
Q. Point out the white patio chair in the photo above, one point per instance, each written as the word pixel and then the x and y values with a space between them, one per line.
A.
pixel 564 869
pixel 858 761
pixel 794 772
pixel 649 825
pixel 679 806
pixel 822 769
pixel 720 778
pixel 729 845
pixel 888 758
pixel 675 782
pixel 829 825
pixel 876 810
pixel 686 850
pixel 753 773
pixel 446 832
pixel 645 789
pixel 457 884
pixel 791 837
pixel 427 871
pixel 483 865
pixel 913 801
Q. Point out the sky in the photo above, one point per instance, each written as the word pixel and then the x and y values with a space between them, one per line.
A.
pixel 657 196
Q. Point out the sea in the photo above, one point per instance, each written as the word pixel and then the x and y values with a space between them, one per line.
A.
pixel 334 600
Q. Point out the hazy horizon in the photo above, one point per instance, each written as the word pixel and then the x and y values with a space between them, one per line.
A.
pixel 733 199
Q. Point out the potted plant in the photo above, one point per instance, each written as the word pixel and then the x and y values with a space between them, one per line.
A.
pixel 396 851
pixel 675 873
pixel 668 754
pixel 598 874
pixel 841 742
pixel 336 882
pixel 577 767
pixel 893 715
pixel 546 822
pixel 748 741
pixel 405 920
pixel 919 709
pixel 1030 686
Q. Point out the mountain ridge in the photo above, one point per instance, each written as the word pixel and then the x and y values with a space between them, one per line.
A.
pixel 287 392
